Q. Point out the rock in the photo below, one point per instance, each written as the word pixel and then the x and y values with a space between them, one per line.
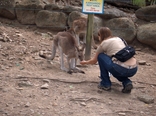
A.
pixel 83 103
pixel 37 58
pixel 123 28
pixel 52 20
pixel 69 9
pixel 148 64
pixel 29 10
pixel 46 80
pixel 146 34
pixel 24 84
pixel 27 104
pixel 146 99
pixel 122 114
pixel 42 54
pixel 4 37
pixel 99 91
pixel 45 86
pixel 112 13
pixel 142 62
pixel 146 13
pixel 7 9
pixel 52 7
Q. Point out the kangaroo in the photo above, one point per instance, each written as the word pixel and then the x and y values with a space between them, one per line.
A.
pixel 80 26
pixel 67 46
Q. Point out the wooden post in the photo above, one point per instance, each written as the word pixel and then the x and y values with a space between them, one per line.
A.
pixel 89 36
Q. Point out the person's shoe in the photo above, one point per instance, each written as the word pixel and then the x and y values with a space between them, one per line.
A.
pixel 104 88
pixel 127 88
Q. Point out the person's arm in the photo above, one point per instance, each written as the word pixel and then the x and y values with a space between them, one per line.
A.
pixel 91 61
pixel 94 59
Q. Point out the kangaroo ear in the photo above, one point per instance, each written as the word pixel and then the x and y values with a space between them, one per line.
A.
pixel 75 28
pixel 77 48
pixel 83 44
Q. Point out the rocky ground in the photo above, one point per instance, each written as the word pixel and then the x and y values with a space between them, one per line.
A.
pixel 31 86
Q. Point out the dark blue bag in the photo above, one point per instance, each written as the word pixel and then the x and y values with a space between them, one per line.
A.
pixel 125 53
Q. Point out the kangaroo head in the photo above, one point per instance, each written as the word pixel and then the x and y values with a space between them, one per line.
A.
pixel 79 25
pixel 80 50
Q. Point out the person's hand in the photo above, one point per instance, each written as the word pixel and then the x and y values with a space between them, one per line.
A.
pixel 83 62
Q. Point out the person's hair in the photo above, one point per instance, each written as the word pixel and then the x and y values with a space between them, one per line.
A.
pixel 104 33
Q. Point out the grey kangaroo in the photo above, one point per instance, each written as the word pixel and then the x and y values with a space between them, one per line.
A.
pixel 66 44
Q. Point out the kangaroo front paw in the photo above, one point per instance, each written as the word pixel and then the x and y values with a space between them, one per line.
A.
pixel 95 47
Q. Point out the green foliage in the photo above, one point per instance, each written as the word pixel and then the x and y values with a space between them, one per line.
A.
pixel 150 2
pixel 140 3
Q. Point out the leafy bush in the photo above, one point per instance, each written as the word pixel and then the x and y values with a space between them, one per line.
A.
pixel 140 3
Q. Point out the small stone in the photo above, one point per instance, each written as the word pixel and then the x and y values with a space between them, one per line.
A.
pixel 19 35
pixel 27 59
pixel 21 68
pixel 54 104
pixel 148 64
pixel 146 99
pixel 49 33
pixel 142 62
pixel 45 86
pixel 83 103
pixel 17 31
pixel 19 88
pixel 24 84
pixel 27 104
pixel 46 80
pixel 37 58
pixel 138 49
pixel 99 91
pixel 41 53
pixel 122 114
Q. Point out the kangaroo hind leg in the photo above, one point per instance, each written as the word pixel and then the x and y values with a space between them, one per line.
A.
pixel 74 68
pixel 62 59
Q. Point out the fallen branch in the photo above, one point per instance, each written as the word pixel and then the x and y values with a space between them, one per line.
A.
pixel 59 80
pixel 76 82
pixel 145 83
pixel 122 4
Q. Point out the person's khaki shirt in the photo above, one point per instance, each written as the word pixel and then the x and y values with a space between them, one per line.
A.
pixel 111 46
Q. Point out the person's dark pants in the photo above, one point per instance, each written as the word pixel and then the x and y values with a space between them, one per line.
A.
pixel 121 73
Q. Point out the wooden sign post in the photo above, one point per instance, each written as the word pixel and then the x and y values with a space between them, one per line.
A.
pixel 91 7
pixel 89 35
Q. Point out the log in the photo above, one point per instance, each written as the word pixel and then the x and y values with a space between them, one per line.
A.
pixel 122 4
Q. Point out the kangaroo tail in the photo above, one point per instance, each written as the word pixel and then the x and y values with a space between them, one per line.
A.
pixel 54 47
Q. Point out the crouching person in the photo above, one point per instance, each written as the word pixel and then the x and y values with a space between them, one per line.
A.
pixel 122 71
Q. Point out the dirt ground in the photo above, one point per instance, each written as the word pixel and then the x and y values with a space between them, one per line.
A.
pixel 31 86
